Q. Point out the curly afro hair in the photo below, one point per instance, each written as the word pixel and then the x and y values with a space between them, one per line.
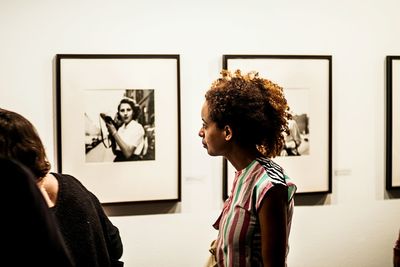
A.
pixel 255 108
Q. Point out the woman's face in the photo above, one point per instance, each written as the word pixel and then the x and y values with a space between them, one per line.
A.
pixel 125 112
pixel 213 138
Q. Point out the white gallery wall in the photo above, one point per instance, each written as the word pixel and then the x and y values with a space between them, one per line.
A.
pixel 356 225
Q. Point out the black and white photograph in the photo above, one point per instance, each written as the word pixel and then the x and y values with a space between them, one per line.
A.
pixel 111 110
pixel 127 113
pixel 297 141
pixel 307 84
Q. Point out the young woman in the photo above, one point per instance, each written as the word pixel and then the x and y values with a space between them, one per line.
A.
pixel 244 117
pixel 30 227
pixel 90 237
pixel 130 136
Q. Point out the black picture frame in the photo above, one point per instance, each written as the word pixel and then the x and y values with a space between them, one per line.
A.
pixel 392 122
pixel 312 74
pixel 90 85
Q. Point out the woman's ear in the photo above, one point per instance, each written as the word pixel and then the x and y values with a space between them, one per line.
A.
pixel 228 132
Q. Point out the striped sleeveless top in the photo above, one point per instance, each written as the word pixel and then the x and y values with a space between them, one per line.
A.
pixel 239 238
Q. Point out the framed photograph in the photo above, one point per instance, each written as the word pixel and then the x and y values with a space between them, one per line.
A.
pixel 118 125
pixel 307 83
pixel 393 122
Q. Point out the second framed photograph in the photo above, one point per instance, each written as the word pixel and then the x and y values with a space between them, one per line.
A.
pixel 307 84
pixel 393 122
pixel 118 125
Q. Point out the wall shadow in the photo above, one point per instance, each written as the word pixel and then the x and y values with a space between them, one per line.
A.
pixel 128 209
pixel 311 199
pixel 392 194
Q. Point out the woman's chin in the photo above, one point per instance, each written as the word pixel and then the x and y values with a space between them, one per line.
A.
pixel 211 153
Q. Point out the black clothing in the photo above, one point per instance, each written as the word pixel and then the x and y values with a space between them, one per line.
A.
pixel 31 236
pixel 89 235
pixel 119 156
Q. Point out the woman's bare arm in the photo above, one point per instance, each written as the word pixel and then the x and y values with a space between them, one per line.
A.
pixel 273 215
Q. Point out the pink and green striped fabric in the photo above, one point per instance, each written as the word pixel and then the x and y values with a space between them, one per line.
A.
pixel 239 242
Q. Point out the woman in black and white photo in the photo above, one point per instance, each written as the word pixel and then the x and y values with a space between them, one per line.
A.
pixel 129 134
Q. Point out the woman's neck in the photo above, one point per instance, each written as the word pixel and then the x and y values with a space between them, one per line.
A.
pixel 48 186
pixel 241 157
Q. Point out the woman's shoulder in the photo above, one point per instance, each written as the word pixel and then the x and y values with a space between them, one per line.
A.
pixel 71 190
pixel 68 182
pixel 272 170
pixel 274 175
pixel 65 177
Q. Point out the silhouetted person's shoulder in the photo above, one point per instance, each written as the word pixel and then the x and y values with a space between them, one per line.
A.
pixel 31 234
